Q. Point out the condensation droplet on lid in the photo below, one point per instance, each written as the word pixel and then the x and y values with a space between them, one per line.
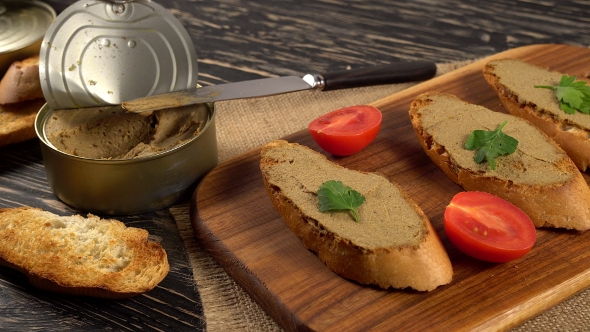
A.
pixel 131 44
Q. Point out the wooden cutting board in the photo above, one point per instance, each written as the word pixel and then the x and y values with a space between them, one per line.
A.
pixel 236 223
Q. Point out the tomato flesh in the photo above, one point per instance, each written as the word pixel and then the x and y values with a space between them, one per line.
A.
pixel 346 131
pixel 488 227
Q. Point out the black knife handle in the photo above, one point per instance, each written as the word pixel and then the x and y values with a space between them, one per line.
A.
pixel 399 72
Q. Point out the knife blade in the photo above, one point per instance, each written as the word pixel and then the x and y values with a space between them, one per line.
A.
pixel 399 72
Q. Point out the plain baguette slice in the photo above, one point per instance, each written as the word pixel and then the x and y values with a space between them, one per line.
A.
pixel 17 121
pixel 539 177
pixel 21 82
pixel 393 245
pixel 21 98
pixel 514 81
pixel 80 256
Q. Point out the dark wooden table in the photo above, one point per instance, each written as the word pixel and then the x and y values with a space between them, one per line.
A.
pixel 240 40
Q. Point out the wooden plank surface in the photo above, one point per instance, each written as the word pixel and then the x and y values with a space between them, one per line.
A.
pixel 237 224
pixel 247 39
pixel 174 305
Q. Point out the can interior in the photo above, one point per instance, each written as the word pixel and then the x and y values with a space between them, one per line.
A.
pixel 88 123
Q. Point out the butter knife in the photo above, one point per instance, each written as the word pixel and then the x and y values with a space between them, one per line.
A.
pixel 399 72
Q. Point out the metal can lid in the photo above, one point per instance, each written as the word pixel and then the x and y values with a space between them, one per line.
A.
pixel 23 24
pixel 104 52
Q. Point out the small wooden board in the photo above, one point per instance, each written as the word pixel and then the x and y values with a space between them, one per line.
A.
pixel 236 223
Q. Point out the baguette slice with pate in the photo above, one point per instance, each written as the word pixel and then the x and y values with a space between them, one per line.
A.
pixel 514 81
pixel 538 177
pixel 80 256
pixel 393 244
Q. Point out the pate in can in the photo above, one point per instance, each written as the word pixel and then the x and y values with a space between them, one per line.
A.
pixel 124 185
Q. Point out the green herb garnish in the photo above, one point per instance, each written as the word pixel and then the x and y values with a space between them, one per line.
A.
pixel 334 195
pixel 573 96
pixel 490 144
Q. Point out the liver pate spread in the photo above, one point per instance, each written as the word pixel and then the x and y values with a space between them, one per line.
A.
pixel 520 78
pixel 387 220
pixel 450 121
pixel 99 133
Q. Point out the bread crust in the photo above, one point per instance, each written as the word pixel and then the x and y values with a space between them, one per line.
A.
pixel 58 262
pixel 422 268
pixel 561 205
pixel 573 140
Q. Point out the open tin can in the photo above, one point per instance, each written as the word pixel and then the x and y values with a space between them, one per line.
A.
pixel 128 186
pixel 103 53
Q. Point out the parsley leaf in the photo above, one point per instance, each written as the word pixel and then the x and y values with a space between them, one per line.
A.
pixel 334 195
pixel 490 144
pixel 573 96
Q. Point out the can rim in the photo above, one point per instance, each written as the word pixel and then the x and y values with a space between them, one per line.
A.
pixel 45 112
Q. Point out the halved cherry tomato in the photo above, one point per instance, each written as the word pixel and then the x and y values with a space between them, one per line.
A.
pixel 346 131
pixel 488 227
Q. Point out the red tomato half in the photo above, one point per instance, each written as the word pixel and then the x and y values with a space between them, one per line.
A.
pixel 488 227
pixel 346 131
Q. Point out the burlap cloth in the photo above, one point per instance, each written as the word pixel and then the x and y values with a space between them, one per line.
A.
pixel 246 124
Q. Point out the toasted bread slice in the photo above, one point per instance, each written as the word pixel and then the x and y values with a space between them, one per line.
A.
pixel 539 177
pixel 81 256
pixel 393 244
pixel 17 121
pixel 21 82
pixel 21 99
pixel 514 81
